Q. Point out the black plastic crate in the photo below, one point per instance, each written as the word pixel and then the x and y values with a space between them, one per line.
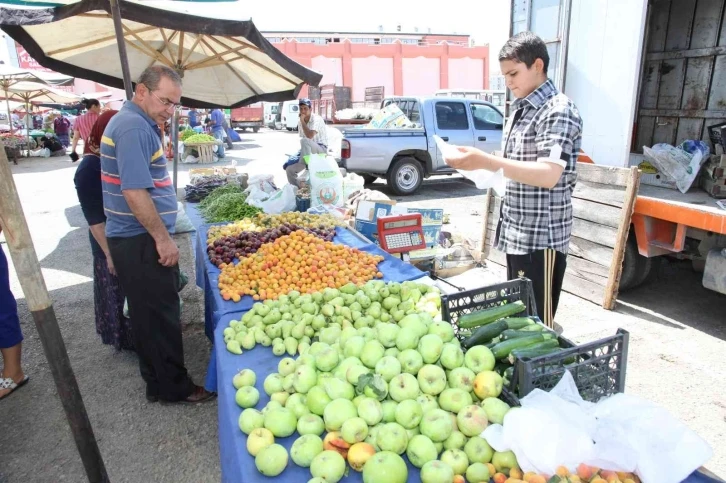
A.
pixel 598 368
pixel 468 301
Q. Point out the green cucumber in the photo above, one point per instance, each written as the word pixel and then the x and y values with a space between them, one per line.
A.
pixel 534 328
pixel 509 373
pixel 484 334
pixel 513 334
pixel 531 353
pixel 502 350
pixel 487 316
pixel 487 333
pixel 519 322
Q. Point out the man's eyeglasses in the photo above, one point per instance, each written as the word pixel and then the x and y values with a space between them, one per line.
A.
pixel 166 103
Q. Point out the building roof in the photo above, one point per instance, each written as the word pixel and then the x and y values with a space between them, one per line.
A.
pixel 310 32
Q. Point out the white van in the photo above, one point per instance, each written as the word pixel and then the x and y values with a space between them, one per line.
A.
pixel 271 114
pixel 290 115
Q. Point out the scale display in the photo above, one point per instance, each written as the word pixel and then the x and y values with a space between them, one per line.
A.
pixel 401 233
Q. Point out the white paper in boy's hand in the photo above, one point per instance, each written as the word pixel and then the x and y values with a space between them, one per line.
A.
pixel 482 178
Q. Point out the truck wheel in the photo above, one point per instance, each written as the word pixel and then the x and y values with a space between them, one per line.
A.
pixel 255 129
pixel 636 267
pixel 369 178
pixel 405 176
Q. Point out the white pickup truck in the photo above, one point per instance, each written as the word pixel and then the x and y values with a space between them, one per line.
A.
pixel 405 156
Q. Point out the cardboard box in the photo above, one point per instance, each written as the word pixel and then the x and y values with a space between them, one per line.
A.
pixel 714 171
pixel 713 188
pixel 366 219
pixel 650 175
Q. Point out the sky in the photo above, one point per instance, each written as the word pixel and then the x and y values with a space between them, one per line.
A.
pixel 487 21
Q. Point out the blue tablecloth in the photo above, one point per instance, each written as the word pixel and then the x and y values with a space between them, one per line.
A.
pixel 393 269
pixel 238 465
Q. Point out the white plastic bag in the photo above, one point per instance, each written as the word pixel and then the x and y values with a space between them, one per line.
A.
pixel 275 203
pixel 183 223
pixel 326 182
pixel 677 163
pixel 482 178
pixel 619 433
pixel 264 182
pixel 351 184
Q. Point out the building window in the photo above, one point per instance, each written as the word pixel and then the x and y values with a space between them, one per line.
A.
pixel 274 40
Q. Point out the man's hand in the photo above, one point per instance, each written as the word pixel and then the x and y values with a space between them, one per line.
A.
pixel 168 252
pixel 109 262
pixel 467 158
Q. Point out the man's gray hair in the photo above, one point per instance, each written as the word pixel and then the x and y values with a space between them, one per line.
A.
pixel 151 76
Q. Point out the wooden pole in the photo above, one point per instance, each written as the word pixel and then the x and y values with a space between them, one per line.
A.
pixel 25 260
pixel 121 41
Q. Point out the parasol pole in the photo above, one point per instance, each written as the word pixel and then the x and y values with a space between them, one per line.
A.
pixel 27 128
pixel 175 144
pixel 121 41
pixel 25 260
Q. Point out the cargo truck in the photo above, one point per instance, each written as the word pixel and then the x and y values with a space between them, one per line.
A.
pixel 644 72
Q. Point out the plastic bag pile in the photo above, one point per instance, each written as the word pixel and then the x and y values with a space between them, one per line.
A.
pixel 619 433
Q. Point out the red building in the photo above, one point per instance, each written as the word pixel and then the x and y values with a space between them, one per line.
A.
pixel 403 63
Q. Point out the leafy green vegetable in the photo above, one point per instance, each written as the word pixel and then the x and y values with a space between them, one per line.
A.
pixel 216 193
pixel 198 138
pixel 229 207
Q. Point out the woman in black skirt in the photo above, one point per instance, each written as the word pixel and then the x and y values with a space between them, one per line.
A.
pixel 111 325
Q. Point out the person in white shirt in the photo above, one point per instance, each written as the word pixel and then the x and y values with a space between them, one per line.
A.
pixel 313 140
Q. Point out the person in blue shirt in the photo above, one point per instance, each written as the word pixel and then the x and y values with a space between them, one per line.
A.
pixel 216 124
pixel 193 119
pixel 140 204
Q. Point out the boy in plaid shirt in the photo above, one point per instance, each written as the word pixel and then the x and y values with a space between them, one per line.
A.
pixel 541 142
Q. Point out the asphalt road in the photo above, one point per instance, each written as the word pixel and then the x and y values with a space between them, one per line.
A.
pixel 677 353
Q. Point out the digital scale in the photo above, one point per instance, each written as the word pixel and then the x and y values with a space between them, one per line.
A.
pixel 401 233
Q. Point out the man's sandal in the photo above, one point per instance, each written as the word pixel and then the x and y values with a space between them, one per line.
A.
pixel 8 383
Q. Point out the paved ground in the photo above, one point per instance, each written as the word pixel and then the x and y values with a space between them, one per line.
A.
pixel 677 342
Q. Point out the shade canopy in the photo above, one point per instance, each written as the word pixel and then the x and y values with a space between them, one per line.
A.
pixel 223 59
pixel 35 93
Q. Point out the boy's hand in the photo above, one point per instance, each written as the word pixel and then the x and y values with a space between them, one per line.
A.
pixel 467 158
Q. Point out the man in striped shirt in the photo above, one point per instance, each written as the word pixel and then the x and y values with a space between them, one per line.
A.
pixel 140 205
pixel 83 125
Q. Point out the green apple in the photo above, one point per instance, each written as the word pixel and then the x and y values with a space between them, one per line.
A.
pixel 245 377
pixel 247 397
pixel 272 460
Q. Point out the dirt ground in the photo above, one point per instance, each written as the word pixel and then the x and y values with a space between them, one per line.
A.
pixel 677 348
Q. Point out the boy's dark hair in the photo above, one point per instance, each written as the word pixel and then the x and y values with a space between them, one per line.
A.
pixel 525 47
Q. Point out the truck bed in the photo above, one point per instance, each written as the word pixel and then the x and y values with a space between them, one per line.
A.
pixel 695 208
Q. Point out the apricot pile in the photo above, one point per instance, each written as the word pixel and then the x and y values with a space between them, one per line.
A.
pixel 298 261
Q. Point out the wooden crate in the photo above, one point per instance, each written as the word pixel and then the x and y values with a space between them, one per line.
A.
pixel 205 150
pixel 602 206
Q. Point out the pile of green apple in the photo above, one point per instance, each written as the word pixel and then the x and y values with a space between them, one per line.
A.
pixel 403 386
pixel 289 323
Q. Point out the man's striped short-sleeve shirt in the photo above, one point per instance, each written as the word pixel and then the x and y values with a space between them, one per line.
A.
pixel 132 158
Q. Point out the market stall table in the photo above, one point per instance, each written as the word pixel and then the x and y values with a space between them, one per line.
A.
pixel 207 277
pixel 238 465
